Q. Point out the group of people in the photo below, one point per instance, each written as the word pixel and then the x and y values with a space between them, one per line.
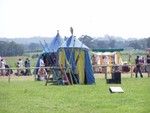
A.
pixel 23 68
pixel 20 65
pixel 142 64
pixel 104 61
pixel 5 69
pixel 96 61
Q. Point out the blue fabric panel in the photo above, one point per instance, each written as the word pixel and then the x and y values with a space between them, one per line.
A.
pixel 55 43
pixel 88 70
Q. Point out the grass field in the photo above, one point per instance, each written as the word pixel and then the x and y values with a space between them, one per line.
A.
pixel 24 95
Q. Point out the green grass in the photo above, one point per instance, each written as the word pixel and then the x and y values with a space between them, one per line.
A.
pixel 11 61
pixel 24 95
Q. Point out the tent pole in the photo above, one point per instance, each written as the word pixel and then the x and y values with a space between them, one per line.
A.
pixel 69 69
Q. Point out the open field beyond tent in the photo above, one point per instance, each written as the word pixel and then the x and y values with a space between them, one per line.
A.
pixel 24 95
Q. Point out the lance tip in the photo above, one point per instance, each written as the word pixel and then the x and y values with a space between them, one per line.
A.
pixel 57 31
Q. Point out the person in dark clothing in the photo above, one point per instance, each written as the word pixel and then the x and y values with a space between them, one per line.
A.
pixel 27 65
pixel 138 68
pixel 148 65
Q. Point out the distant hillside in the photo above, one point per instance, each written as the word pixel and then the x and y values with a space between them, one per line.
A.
pixel 107 38
pixel 27 40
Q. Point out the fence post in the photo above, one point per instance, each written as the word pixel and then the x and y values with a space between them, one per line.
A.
pixel 8 77
pixel 131 71
pixel 106 73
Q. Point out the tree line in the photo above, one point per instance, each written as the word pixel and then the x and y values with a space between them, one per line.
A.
pixel 10 49
pixel 111 42
pixel 14 49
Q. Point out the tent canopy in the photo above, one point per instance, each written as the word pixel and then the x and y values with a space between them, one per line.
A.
pixel 54 44
pixel 73 42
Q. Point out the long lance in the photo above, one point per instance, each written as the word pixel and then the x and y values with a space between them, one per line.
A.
pixel 71 30
pixel 54 59
pixel 78 56
pixel 68 66
pixel 51 61
pixel 59 65
pixel 72 51
pixel 77 59
pixel 44 50
pixel 42 46
pixel 71 54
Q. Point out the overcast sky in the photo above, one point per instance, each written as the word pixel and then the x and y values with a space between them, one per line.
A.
pixel 28 18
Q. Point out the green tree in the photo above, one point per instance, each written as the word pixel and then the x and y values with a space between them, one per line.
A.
pixel 112 43
pixel 135 44
pixel 87 40
pixel 101 44
pixel 3 48
pixel 34 46
pixel 10 49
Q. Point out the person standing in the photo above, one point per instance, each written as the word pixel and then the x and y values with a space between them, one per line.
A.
pixel 2 64
pixel 148 65
pixel 138 67
pixel 98 69
pixel 27 66
pixel 20 65
pixel 105 62
pixel 42 64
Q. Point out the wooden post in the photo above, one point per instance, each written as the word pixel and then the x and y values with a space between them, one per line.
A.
pixel 48 77
pixel 106 73
pixel 131 71
pixel 8 75
pixel 34 77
